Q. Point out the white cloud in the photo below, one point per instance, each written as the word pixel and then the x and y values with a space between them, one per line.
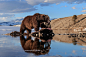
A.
pixel 6 15
pixel 45 0
pixel 83 11
pixel 3 19
pixel 84 7
pixel 10 0
pixel 15 7
pixel 19 6
pixel 36 2
pixel 74 7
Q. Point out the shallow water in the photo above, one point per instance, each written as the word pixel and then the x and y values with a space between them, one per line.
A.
pixel 11 47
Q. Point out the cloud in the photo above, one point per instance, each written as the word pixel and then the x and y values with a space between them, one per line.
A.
pixel 15 7
pixel 45 4
pixel 36 2
pixel 11 0
pixel 83 11
pixel 84 7
pixel 3 19
pixel 45 0
pixel 74 7
pixel 19 18
pixel 6 15
pixel 20 6
pixel 64 6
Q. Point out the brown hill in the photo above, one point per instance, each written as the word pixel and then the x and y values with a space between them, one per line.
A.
pixel 67 22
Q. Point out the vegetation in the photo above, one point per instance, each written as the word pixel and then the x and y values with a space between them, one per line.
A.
pixel 74 18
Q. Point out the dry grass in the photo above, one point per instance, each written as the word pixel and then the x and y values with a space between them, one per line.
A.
pixel 66 22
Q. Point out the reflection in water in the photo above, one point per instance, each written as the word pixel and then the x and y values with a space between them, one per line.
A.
pixel 74 41
pixel 34 46
pixel 67 37
pixel 40 44
pixel 78 38
pixel 11 47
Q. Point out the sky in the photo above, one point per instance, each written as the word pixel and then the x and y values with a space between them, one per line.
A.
pixel 18 9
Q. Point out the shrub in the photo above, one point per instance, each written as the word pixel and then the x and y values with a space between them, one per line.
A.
pixel 74 18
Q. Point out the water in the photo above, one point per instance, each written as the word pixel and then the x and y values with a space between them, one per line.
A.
pixel 59 47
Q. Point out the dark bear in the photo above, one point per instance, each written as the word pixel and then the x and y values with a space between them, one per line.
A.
pixel 34 21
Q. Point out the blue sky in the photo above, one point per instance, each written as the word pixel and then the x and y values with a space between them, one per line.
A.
pixel 18 9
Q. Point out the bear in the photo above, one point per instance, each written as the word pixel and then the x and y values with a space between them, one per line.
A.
pixel 35 22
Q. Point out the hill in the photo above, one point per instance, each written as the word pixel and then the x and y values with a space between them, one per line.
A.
pixel 67 22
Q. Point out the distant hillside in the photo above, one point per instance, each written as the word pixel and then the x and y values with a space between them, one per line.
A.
pixel 67 22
